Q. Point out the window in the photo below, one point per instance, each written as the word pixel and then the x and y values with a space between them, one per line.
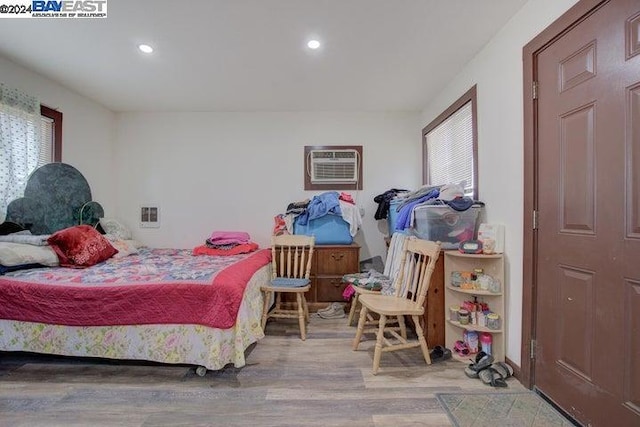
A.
pixel 50 136
pixel 30 136
pixel 450 147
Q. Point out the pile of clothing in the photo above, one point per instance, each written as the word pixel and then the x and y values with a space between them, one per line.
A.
pixel 329 202
pixel 225 243
pixel 384 201
pixel 371 280
pixel 451 195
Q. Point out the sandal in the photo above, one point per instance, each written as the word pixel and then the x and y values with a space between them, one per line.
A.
pixel 461 348
pixel 503 369
pixel 483 361
pixel 439 353
pixel 490 376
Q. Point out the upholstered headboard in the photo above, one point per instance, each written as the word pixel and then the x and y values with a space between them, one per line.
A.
pixel 57 196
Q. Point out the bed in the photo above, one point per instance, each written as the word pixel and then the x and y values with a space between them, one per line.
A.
pixel 161 305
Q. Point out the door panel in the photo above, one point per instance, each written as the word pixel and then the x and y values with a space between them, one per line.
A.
pixel 633 150
pixel 577 171
pixel 631 397
pixel 588 182
pixel 575 297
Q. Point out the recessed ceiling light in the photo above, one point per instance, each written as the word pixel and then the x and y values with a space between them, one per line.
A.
pixel 145 48
pixel 313 44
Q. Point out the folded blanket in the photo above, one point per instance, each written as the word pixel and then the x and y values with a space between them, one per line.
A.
pixel 227 237
pixel 26 239
pixel 238 249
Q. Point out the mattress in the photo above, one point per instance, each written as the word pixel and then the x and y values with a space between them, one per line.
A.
pixel 187 342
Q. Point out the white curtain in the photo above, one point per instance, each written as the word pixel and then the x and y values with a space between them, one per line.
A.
pixel 19 142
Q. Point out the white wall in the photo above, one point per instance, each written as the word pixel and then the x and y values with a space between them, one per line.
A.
pixel 87 128
pixel 498 72
pixel 236 171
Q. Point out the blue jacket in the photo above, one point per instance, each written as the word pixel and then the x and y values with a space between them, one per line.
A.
pixel 319 206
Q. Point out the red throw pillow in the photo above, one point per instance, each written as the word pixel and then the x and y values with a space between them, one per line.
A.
pixel 81 246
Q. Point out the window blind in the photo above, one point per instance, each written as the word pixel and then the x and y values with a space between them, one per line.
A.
pixel 46 141
pixel 450 150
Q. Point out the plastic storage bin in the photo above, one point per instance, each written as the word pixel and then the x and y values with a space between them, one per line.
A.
pixel 328 230
pixel 444 224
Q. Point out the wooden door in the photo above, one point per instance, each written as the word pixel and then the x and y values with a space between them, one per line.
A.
pixel 587 303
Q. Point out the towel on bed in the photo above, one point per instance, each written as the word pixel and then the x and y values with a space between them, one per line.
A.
pixel 235 250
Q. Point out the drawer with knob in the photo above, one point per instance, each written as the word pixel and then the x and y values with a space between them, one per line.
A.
pixel 330 263
pixel 330 289
pixel 336 260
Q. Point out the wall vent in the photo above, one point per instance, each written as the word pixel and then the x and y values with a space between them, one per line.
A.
pixel 334 166
pixel 149 217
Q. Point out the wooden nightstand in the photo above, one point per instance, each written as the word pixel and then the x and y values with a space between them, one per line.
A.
pixel 329 264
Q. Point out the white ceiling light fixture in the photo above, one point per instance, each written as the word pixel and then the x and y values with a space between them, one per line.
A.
pixel 313 44
pixel 145 48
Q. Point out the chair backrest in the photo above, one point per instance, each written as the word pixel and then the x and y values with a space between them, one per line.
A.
pixel 419 259
pixel 291 256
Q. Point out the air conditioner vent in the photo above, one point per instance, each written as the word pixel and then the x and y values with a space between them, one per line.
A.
pixel 334 166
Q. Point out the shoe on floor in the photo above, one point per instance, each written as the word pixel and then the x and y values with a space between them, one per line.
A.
pixel 333 315
pixel 483 361
pixel 326 309
pixel 332 307
pixel 439 353
pixel 336 312
pixel 494 377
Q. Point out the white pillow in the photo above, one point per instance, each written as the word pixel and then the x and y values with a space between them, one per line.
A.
pixel 12 254
pixel 115 230
pixel 124 247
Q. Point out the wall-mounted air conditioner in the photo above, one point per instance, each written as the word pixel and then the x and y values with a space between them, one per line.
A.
pixel 333 166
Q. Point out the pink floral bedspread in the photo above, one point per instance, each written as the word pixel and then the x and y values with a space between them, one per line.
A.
pixel 155 286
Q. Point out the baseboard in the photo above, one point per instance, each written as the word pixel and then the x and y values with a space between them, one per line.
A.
pixel 516 368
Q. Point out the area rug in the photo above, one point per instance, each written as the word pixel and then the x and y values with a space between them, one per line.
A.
pixel 521 409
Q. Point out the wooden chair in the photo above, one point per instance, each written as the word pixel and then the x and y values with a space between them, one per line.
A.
pixel 291 265
pixel 354 302
pixel 397 241
pixel 418 261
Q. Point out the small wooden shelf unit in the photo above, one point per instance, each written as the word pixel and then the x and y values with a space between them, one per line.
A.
pixel 493 265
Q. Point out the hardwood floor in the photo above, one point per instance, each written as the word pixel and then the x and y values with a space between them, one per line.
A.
pixel 286 382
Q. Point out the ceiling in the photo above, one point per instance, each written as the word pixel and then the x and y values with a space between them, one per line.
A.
pixel 251 55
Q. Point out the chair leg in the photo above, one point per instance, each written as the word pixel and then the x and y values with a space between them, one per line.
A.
pixel 378 351
pixel 403 327
pixel 265 308
pixel 301 317
pixel 306 308
pixel 422 340
pixel 352 311
pixel 278 301
pixel 360 330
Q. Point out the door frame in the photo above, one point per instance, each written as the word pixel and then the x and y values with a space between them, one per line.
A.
pixel 576 14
